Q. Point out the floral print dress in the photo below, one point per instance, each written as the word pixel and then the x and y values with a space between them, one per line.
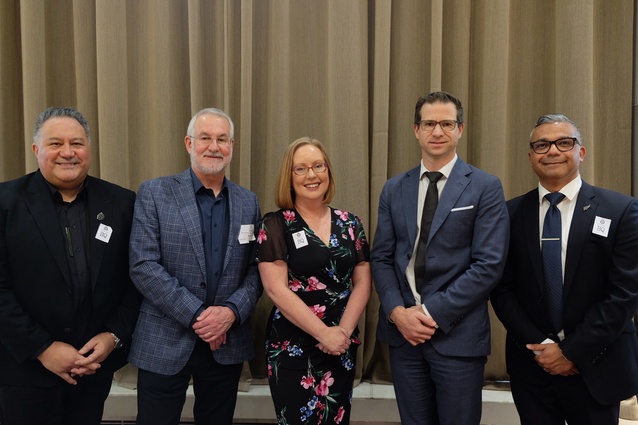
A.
pixel 307 385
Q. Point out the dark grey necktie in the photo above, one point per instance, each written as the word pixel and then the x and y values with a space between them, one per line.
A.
pixel 552 269
pixel 429 207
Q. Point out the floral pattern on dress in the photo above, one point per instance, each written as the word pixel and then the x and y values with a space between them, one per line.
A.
pixel 308 386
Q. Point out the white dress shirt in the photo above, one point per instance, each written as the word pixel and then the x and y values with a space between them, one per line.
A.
pixel 423 188
pixel 566 208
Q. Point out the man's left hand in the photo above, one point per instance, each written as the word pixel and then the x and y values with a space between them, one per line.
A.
pixel 100 346
pixel 551 359
pixel 212 325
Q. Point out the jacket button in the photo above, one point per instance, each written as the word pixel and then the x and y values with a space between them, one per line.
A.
pixel 67 330
pixel 202 285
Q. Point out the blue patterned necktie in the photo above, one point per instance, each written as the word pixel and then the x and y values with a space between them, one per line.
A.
pixel 552 269
pixel 429 208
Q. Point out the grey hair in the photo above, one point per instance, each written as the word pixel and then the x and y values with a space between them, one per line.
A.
pixel 553 119
pixel 211 111
pixel 55 112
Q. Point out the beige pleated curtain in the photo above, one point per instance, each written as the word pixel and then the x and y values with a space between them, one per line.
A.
pixel 347 72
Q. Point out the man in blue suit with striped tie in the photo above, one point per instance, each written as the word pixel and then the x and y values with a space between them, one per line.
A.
pixel 571 348
pixel 192 258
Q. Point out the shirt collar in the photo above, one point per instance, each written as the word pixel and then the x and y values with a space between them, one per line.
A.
pixel 57 196
pixel 570 190
pixel 197 184
pixel 446 170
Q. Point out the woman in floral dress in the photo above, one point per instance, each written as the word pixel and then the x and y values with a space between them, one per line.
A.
pixel 313 262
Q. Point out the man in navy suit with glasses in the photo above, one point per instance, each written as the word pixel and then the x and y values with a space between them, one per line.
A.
pixel 568 294
pixel 439 249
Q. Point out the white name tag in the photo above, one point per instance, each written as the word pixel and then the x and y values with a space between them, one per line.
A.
pixel 300 239
pixel 104 233
pixel 246 233
pixel 601 226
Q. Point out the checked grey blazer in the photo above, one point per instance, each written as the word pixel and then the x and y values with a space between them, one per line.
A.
pixel 168 268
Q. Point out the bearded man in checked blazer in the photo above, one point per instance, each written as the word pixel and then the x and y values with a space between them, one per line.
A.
pixel 193 259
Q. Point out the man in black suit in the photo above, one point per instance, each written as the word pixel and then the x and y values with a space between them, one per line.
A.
pixel 578 368
pixel 67 305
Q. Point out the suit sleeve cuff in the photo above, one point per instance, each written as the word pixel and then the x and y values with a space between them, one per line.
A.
pixel 235 310
pixel 427 313
pixel 196 315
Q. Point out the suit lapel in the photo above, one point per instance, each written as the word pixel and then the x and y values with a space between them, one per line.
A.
pixel 528 225
pixel 235 209
pixel 409 197
pixel 582 223
pixel 39 202
pixel 454 187
pixel 187 205
pixel 100 207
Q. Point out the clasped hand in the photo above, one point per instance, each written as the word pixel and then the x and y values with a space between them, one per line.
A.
pixel 413 324
pixel 212 325
pixel 550 357
pixel 335 341
pixel 68 363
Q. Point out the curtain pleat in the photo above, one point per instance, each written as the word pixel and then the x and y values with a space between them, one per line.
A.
pixel 345 72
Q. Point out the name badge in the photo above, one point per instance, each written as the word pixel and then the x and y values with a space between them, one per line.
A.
pixel 601 226
pixel 246 233
pixel 104 233
pixel 300 239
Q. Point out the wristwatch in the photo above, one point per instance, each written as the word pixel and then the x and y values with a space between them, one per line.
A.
pixel 117 340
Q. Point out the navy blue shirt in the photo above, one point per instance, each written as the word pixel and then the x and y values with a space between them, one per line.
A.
pixel 214 219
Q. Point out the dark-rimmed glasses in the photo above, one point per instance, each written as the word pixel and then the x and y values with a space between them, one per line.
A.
pixel 302 170
pixel 564 144
pixel 430 125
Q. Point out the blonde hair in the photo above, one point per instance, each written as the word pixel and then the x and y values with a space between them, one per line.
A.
pixel 284 195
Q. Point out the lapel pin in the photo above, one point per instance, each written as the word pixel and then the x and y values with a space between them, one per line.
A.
pixel 586 207
pixel 100 216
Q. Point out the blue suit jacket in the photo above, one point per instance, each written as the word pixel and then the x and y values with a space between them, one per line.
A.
pixel 169 269
pixel 465 256
pixel 600 293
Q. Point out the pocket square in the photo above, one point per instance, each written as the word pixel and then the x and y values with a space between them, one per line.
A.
pixel 469 207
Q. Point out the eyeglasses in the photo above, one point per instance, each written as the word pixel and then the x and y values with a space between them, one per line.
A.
pixel 302 170
pixel 564 144
pixel 207 140
pixel 430 125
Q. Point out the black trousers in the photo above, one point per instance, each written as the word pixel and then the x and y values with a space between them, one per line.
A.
pixel 160 398
pixel 562 399
pixel 61 404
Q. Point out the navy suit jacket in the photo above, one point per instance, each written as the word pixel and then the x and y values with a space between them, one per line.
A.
pixel 36 305
pixel 600 293
pixel 465 256
pixel 169 269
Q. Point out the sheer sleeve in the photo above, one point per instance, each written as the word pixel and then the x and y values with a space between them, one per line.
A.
pixel 271 238
pixel 361 241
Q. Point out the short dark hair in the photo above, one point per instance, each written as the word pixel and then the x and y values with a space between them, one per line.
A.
pixel 554 119
pixel 55 112
pixel 441 97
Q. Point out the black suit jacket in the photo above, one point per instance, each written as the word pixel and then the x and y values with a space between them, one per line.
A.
pixel 600 293
pixel 36 305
